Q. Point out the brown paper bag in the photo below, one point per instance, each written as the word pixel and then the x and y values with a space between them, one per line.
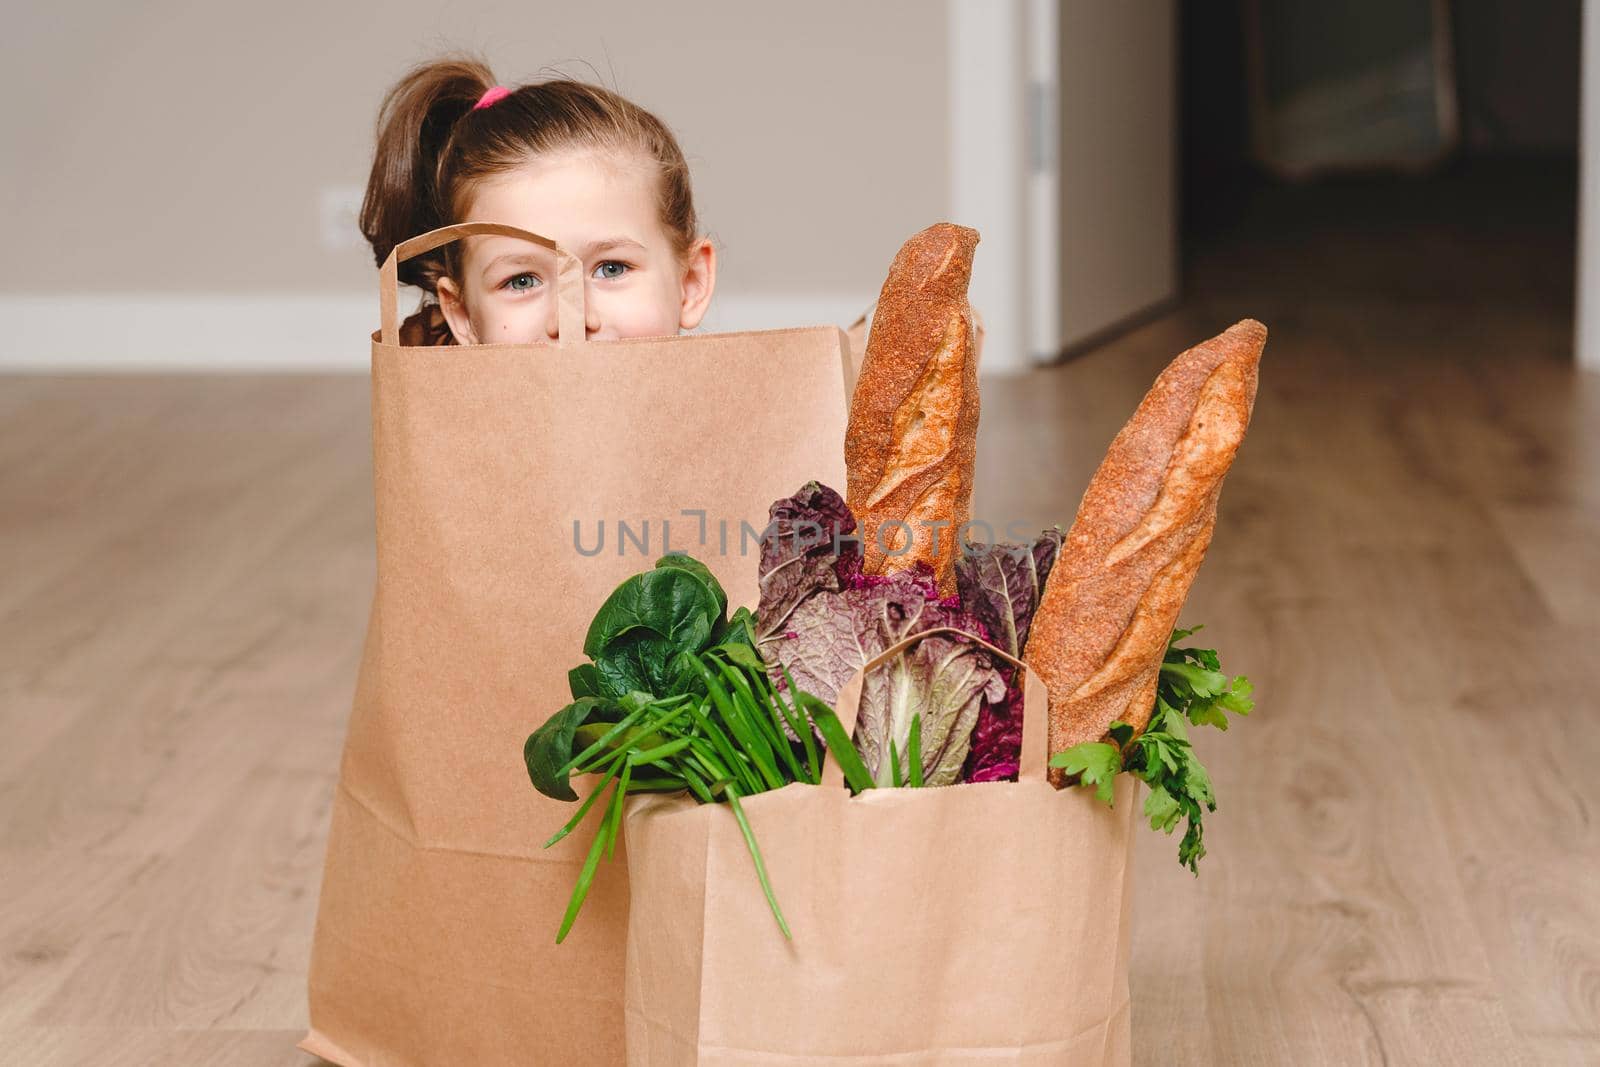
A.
pixel 979 923
pixel 435 938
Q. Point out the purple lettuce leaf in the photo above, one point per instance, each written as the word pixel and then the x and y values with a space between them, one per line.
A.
pixel 945 680
pixel 997 738
pixel 798 556
pixel 1002 584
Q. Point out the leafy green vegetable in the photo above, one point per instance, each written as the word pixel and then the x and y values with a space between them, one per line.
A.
pixel 1002 584
pixel 798 553
pixel 550 747
pixel 1192 690
pixel 839 744
pixel 820 619
pixel 584 681
pixel 939 683
pixel 831 635
pixel 1192 680
pixel 700 570
pixel 649 618
pixel 1095 762
pixel 683 702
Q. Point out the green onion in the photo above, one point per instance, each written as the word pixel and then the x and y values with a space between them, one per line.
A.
pixel 761 867
pixel 585 879
pixel 582 810
pixel 615 815
pixel 802 727
pixel 656 755
pixel 839 744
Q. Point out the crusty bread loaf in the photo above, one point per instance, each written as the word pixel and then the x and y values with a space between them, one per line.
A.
pixel 1142 529
pixel 913 430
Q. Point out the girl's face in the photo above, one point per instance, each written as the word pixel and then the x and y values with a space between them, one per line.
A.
pixel 600 208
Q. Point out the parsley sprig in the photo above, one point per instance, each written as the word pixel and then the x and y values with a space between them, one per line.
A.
pixel 1192 690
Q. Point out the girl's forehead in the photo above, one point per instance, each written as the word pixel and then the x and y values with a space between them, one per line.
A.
pixel 575 199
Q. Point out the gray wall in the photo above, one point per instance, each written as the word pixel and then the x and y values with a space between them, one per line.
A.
pixel 172 147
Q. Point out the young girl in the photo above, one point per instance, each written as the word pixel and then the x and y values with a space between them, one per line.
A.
pixel 578 164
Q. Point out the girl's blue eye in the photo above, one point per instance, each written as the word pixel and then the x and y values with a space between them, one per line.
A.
pixel 512 282
pixel 602 272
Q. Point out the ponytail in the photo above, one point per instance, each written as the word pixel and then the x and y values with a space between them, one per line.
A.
pixel 415 126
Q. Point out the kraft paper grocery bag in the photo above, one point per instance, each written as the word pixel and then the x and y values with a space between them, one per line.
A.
pixel 435 937
pixel 969 924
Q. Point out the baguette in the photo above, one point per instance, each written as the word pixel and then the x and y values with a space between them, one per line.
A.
pixel 912 435
pixel 1142 529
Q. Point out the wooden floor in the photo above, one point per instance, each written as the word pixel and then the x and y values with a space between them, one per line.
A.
pixel 1405 865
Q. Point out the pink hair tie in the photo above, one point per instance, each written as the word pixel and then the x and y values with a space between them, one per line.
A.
pixel 492 95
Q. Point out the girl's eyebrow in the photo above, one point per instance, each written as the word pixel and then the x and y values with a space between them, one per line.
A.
pixel 608 244
pixel 509 258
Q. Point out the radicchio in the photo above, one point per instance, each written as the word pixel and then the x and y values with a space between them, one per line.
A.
pixel 822 619
pixel 805 549
pixel 832 634
pixel 1002 584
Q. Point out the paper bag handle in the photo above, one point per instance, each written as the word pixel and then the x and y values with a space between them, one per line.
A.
pixel 1031 765
pixel 569 276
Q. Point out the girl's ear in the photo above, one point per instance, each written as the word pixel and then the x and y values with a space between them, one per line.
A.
pixel 455 312
pixel 699 281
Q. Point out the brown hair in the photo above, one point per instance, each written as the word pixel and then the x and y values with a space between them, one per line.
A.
pixel 433 149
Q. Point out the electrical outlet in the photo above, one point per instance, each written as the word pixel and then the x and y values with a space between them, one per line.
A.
pixel 338 207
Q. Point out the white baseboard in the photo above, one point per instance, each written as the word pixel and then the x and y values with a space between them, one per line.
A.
pixel 137 333
pixel 157 332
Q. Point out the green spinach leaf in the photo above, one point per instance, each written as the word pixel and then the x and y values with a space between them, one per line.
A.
pixel 549 748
